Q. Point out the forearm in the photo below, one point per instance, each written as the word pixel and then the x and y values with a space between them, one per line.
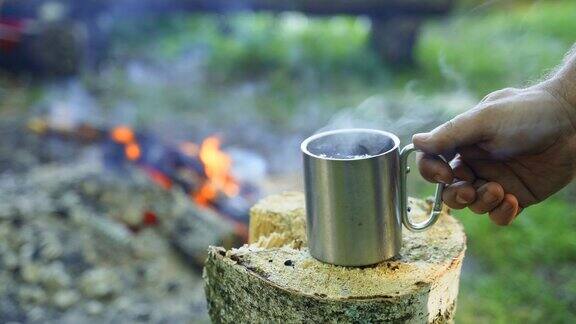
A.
pixel 565 77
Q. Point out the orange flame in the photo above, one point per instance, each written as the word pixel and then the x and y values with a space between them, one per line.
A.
pixel 217 166
pixel 132 151
pixel 123 135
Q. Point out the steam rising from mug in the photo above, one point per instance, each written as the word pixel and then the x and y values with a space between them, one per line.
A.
pixel 404 116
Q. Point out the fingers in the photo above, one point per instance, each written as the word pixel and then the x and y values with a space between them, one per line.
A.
pixel 503 174
pixel 488 197
pixel 459 195
pixel 462 171
pixel 434 169
pixel 483 197
pixel 466 129
pixel 505 213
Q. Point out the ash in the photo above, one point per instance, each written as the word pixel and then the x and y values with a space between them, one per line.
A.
pixel 73 248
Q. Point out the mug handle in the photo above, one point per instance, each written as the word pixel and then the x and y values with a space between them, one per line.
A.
pixel 436 208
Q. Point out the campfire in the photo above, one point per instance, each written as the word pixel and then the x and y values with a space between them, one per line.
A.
pixel 111 222
pixel 217 166
pixel 203 171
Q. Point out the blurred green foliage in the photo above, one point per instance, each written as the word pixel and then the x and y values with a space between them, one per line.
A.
pixel 483 47
pixel 488 50
pixel 289 61
pixel 256 44
pixel 524 272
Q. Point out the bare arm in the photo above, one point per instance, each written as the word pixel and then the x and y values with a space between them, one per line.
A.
pixel 564 78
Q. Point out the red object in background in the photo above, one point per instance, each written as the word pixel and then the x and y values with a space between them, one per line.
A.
pixel 11 31
pixel 150 218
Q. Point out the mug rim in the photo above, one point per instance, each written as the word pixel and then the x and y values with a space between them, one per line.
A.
pixel 307 141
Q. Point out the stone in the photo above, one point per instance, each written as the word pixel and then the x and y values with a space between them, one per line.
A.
pixel 133 215
pixel 9 260
pixel 55 231
pixel 277 280
pixel 63 299
pixel 30 272
pixel 100 283
pixel 94 307
pixel 51 248
pixel 54 276
pixel 31 294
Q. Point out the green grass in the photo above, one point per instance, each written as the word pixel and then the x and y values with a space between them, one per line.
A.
pixel 523 272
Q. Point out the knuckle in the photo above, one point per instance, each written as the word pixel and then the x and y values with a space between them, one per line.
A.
pixel 450 125
pixel 452 203
pixel 499 94
pixel 508 91
pixel 449 132
pixel 449 193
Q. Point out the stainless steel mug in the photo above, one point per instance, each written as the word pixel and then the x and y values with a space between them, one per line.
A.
pixel 356 201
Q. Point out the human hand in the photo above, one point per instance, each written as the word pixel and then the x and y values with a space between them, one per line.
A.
pixel 514 149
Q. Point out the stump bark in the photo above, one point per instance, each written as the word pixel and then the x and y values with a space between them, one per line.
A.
pixel 274 278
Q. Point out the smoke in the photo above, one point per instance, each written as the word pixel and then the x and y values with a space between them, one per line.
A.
pixel 451 75
pixel 402 114
pixel 405 113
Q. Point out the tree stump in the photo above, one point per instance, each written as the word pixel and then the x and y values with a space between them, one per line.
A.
pixel 274 278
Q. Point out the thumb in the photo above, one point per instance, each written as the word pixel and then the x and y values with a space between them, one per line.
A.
pixel 465 129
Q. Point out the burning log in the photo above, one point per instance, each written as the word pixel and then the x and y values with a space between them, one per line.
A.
pixel 275 278
pixel 202 171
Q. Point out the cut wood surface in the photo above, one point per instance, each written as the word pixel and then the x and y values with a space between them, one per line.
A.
pixel 274 278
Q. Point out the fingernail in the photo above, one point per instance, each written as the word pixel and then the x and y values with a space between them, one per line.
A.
pixel 506 206
pixel 488 197
pixel 421 137
pixel 461 200
pixel 439 179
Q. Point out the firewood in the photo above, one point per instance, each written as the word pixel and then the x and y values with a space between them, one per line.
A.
pixel 274 279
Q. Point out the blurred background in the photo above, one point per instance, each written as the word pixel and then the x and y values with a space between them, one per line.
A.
pixel 133 134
